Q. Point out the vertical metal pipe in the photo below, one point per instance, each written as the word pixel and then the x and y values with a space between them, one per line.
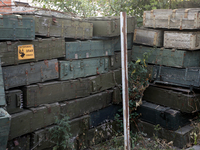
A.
pixel 123 32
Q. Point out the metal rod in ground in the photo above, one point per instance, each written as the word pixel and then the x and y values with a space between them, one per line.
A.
pixel 123 32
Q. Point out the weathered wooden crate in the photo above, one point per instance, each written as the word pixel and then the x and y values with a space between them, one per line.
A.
pixel 167 57
pixel 117 42
pixel 25 74
pixel 164 116
pixel 82 68
pixel 79 107
pixel 103 115
pixel 33 119
pixel 41 139
pixel 172 19
pixel 14 101
pixel 2 92
pixel 118 77
pixel 115 61
pixel 49 92
pixel 104 81
pixel 175 98
pixel 185 77
pixel 182 40
pixel 5 121
pixel 151 37
pixel 19 143
pixel 110 26
pixel 62 27
pixel 88 49
pixel 17 27
pixel 180 137
pixel 17 52
pixel 117 95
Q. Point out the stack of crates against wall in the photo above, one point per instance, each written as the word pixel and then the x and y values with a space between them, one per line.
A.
pixel 172 39
pixel 53 66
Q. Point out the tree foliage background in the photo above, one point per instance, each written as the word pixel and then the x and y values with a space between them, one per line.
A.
pixel 88 8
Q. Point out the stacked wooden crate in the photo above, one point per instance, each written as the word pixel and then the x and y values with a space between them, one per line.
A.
pixel 172 38
pixel 53 66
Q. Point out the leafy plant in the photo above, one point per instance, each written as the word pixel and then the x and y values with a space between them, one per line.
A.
pixel 138 77
pixel 87 8
pixel 60 133
pixel 138 80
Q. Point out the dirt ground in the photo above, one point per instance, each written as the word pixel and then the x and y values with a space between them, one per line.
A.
pixel 139 142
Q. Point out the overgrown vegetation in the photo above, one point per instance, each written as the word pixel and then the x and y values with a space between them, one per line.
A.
pixel 87 8
pixel 60 133
pixel 138 80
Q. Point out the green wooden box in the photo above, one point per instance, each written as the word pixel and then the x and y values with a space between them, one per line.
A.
pixel 103 115
pixel 41 139
pixel 110 26
pixel 25 74
pixel 180 137
pixel 175 98
pixel 82 68
pixel 164 116
pixel 2 92
pixel 89 48
pixel 17 27
pixel 43 48
pixel 49 92
pixel 117 42
pixel 79 107
pixel 33 119
pixel 5 120
pixel 117 95
pixel 115 61
pixel 55 91
pixel 185 77
pixel 14 101
pixel 104 81
pixel 19 143
pixel 167 57
pixel 62 27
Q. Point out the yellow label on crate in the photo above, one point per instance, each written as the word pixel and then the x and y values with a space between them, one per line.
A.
pixel 26 52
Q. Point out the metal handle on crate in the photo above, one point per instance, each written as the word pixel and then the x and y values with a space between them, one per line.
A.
pixel 18 100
